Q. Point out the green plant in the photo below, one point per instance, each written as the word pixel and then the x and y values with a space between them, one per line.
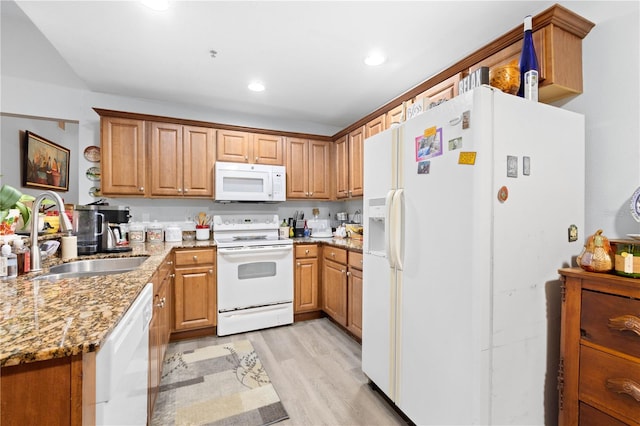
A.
pixel 11 198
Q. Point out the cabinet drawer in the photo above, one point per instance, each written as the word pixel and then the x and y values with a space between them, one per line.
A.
pixel 610 381
pixel 335 254
pixel 355 259
pixel 611 321
pixel 195 257
pixel 304 251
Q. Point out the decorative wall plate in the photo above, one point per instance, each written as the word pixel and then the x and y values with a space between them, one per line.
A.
pixel 93 173
pixel 92 153
pixel 94 191
pixel 635 205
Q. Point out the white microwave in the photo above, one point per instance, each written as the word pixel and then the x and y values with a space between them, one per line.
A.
pixel 249 182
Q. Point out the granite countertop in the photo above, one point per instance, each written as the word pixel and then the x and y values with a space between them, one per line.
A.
pixel 42 319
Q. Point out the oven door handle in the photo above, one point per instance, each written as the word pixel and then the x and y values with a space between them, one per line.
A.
pixel 245 251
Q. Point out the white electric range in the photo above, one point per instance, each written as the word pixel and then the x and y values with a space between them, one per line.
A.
pixel 254 273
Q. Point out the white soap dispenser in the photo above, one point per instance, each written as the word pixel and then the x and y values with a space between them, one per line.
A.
pixel 12 261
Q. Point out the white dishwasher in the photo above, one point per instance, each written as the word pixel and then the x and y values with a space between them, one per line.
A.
pixel 122 367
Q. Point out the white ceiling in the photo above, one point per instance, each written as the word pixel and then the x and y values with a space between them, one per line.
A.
pixel 309 54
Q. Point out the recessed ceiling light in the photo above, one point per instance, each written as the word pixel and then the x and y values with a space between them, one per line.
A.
pixel 156 4
pixel 256 86
pixel 374 59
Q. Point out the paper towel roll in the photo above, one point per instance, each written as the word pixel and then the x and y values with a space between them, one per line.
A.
pixel 69 247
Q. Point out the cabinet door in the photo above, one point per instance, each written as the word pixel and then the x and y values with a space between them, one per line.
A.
pixel 447 89
pixel 233 146
pixel 306 285
pixel 199 157
pixel 375 126
pixel 395 115
pixel 194 298
pixel 356 154
pixel 342 167
pixel 334 291
pixel 267 149
pixel 297 168
pixel 123 156
pixel 354 299
pixel 166 159
pixel 319 167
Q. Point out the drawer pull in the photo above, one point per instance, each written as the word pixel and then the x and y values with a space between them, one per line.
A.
pixel 627 386
pixel 625 322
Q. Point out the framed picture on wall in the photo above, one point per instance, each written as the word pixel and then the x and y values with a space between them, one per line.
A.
pixel 45 164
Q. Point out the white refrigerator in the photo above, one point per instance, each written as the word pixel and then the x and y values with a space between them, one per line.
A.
pixel 470 208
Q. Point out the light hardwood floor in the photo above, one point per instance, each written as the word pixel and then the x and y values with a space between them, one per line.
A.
pixel 315 368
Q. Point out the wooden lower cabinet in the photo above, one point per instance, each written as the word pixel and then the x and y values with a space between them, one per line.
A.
pixel 159 327
pixel 334 284
pixel 194 289
pixel 58 391
pixel 599 372
pixel 354 294
pixel 305 276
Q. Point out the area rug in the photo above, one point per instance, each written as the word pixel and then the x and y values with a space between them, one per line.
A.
pixel 217 385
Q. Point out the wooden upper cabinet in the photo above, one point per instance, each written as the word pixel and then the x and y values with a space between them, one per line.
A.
pixel 267 149
pixel 198 153
pixel 123 156
pixel 394 115
pixel 356 159
pixel 243 147
pixel 182 159
pixel 447 89
pixel 233 146
pixel 375 126
pixel 166 159
pixel 308 168
pixel 342 167
pixel 557 38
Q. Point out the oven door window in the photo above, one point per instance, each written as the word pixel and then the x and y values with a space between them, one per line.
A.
pixel 255 270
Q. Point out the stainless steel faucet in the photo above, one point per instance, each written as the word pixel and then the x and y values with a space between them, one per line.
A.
pixel 65 224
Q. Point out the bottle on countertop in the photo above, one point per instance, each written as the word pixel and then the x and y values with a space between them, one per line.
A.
pixel 11 261
pixel 291 233
pixel 23 256
pixel 529 70
pixel 284 229
pixel 306 229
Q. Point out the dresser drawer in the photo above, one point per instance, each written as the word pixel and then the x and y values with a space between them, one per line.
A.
pixel 335 254
pixel 610 381
pixel 589 416
pixel 611 321
pixel 195 257
pixel 306 251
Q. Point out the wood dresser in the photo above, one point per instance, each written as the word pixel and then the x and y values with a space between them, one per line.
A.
pixel 599 372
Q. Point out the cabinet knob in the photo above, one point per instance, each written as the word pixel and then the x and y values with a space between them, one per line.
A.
pixel 179 189
pixel 195 258
pixel 625 323
pixel 210 271
pixel 343 271
pixel 311 194
pixel 306 251
pixel 169 262
pixel 257 159
pixel 186 190
pixel 172 275
pixel 348 273
pixel 624 385
pixel 246 158
pixel 141 189
pixel 333 254
pixel 298 264
pixel 306 194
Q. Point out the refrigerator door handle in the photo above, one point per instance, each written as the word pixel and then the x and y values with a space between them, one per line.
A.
pixel 397 231
pixel 388 204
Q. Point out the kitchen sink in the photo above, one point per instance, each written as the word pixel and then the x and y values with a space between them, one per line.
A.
pixel 90 267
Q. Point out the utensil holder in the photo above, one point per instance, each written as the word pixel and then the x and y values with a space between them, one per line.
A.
pixel 202 233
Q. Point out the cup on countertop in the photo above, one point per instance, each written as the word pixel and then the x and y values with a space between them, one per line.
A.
pixel 202 232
